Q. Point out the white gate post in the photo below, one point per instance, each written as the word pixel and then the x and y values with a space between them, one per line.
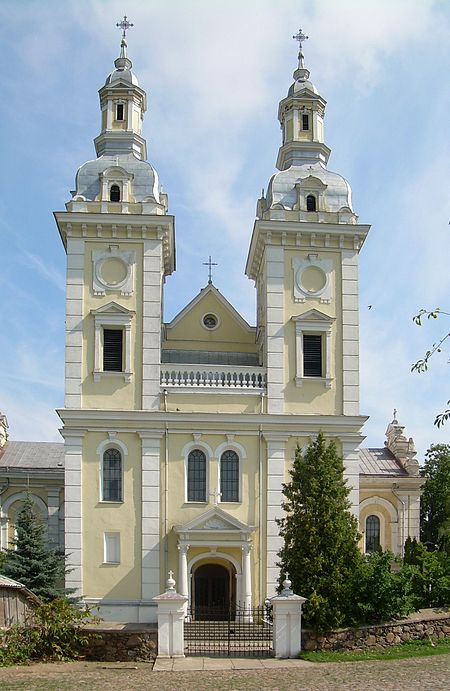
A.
pixel 171 614
pixel 287 622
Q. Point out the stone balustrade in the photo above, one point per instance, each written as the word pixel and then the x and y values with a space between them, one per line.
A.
pixel 218 377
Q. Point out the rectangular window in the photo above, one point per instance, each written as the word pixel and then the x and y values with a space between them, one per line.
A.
pixel 112 350
pixel 111 548
pixel 119 111
pixel 312 355
pixel 305 121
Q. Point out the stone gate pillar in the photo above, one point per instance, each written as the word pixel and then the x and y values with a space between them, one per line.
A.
pixel 171 614
pixel 287 622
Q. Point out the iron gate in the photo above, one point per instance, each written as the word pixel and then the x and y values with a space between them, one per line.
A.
pixel 233 632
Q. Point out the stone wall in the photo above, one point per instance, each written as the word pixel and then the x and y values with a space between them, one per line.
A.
pixel 122 644
pixel 380 636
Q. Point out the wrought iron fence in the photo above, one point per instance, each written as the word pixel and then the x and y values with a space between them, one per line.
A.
pixel 236 631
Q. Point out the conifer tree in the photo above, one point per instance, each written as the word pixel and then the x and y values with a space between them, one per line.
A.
pixel 30 562
pixel 320 551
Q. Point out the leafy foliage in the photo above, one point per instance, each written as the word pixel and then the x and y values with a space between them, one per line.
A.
pixel 435 500
pixel 30 562
pixel 431 579
pixel 380 592
pixel 422 364
pixel 320 551
pixel 55 633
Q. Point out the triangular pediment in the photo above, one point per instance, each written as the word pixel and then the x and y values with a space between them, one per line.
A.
pixel 312 182
pixel 214 520
pixel 314 316
pixel 112 308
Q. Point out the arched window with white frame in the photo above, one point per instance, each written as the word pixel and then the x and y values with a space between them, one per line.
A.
pixel 229 476
pixel 196 476
pixel 372 533
pixel 111 486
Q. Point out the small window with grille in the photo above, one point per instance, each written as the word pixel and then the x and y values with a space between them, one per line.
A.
pixel 112 350
pixel 372 533
pixel 119 111
pixel 311 203
pixel 305 121
pixel 312 355
pixel 114 193
pixel 196 476
pixel 112 475
pixel 229 476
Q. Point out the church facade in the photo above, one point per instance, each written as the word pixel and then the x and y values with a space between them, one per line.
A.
pixel 179 436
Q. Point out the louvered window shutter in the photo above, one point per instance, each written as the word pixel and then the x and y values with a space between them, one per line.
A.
pixel 312 355
pixel 112 350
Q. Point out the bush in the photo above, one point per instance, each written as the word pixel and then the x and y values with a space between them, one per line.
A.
pixel 431 583
pixel 381 594
pixel 55 633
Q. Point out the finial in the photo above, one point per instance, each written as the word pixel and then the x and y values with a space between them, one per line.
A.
pixel 300 37
pixel 395 415
pixel 124 25
pixel 210 264
pixel 287 590
pixel 170 583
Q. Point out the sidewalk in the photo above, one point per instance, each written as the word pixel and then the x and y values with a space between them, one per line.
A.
pixel 196 664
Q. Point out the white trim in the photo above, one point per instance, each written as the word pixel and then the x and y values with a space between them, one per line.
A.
pixel 313 322
pixel 382 529
pixel 112 315
pixel 216 317
pixel 240 452
pixel 370 504
pixel 111 443
pixel 19 496
pixel 210 556
pixel 114 545
pixel 206 449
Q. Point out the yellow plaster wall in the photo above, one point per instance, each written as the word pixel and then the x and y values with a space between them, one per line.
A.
pixel 214 403
pixel 121 581
pixel 312 397
pixel 230 335
pixel 112 392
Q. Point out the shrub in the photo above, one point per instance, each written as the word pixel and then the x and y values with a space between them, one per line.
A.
pixel 55 633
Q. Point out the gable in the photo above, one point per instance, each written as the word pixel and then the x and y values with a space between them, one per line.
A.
pixel 214 520
pixel 231 332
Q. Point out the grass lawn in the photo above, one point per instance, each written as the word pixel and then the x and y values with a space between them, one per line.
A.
pixel 410 649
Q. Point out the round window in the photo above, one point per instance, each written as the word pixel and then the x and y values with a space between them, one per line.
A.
pixel 210 321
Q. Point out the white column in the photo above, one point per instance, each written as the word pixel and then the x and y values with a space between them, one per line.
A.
pixel 53 516
pixel 350 457
pixel 74 509
pixel 274 279
pixel 109 109
pixel 151 324
pixel 151 444
pixel 350 333
pixel 183 569
pixel 275 477
pixel 247 575
pixel 74 322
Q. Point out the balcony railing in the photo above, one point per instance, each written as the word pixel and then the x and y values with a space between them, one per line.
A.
pixel 213 377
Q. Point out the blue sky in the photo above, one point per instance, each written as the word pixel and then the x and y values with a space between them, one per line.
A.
pixel 214 73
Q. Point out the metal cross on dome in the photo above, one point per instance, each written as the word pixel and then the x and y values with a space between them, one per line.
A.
pixel 124 25
pixel 300 37
pixel 210 264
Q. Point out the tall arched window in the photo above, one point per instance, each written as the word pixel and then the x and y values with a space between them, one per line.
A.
pixel 372 533
pixel 196 476
pixel 310 203
pixel 112 475
pixel 229 476
pixel 114 193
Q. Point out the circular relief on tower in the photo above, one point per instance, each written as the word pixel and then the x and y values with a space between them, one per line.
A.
pixel 312 280
pixel 210 321
pixel 113 272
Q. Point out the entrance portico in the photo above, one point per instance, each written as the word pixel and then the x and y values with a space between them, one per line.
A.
pixel 223 543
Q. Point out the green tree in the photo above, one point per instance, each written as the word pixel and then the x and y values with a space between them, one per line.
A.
pixel 422 364
pixel 435 500
pixel 320 551
pixel 30 562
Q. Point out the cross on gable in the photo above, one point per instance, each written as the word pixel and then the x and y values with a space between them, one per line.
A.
pixel 210 264
pixel 300 37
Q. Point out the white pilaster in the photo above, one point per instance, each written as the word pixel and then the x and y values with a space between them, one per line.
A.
pixel 274 277
pixel 350 457
pixel 74 322
pixel 276 449
pixel 350 333
pixel 151 324
pixel 247 576
pixel 151 444
pixel 53 515
pixel 74 510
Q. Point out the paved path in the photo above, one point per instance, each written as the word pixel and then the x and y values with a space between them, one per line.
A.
pixel 196 664
pixel 421 674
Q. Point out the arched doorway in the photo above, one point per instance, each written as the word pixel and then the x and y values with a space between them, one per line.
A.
pixel 214 591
